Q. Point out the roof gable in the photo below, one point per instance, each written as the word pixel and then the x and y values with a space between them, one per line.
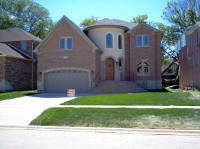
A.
pixel 64 19
pixel 145 25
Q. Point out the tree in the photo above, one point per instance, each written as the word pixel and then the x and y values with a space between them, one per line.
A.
pixel 88 21
pixel 182 13
pixel 140 19
pixel 170 36
pixel 25 14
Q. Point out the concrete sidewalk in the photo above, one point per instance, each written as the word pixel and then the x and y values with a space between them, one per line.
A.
pixel 131 106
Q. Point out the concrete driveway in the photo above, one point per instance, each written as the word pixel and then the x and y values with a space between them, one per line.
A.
pixel 20 111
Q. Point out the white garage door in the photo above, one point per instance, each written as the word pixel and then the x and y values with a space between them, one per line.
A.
pixel 60 81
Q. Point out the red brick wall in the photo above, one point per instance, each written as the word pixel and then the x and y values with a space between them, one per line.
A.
pixel 153 53
pixel 127 57
pixel 81 55
pixel 189 58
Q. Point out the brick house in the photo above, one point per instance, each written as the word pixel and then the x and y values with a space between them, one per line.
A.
pixel 17 61
pixel 70 57
pixel 189 57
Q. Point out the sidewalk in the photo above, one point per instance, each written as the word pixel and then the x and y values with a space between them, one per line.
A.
pixel 129 106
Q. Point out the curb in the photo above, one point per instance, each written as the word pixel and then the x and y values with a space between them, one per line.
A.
pixel 129 106
pixel 107 130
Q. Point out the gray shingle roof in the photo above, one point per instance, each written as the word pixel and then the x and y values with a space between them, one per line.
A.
pixel 8 51
pixel 16 34
pixel 113 22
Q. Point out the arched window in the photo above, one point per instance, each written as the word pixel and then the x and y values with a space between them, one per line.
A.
pixel 120 64
pixel 143 67
pixel 109 40
pixel 120 41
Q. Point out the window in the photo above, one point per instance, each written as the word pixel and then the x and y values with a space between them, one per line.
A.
pixel 120 64
pixel 120 41
pixel 146 40
pixel 23 45
pixel 109 41
pixel 142 67
pixel 142 41
pixel 139 41
pixel 66 43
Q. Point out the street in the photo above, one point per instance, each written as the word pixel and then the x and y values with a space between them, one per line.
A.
pixel 39 138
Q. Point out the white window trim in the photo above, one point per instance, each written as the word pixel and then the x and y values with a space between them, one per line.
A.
pixel 122 41
pixel 112 41
pixel 65 43
pixel 142 40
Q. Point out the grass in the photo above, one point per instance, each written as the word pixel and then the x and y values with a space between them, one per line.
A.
pixel 15 94
pixel 173 97
pixel 121 117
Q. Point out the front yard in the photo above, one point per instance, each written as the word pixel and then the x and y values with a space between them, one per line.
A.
pixel 173 97
pixel 15 94
pixel 121 117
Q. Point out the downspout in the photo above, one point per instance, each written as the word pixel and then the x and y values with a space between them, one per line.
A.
pixel 32 86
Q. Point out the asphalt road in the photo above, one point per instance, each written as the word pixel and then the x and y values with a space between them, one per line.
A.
pixel 37 138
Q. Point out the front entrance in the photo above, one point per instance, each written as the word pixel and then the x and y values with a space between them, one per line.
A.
pixel 110 69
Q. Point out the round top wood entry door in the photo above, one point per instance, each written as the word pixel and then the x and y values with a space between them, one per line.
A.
pixel 110 69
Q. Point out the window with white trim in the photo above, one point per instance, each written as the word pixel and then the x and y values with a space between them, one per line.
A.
pixel 142 40
pixel 66 43
pixel 23 45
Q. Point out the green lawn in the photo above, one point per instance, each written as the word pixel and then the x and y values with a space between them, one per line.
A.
pixel 121 117
pixel 174 97
pixel 15 94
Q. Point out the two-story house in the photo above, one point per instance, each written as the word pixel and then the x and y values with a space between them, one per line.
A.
pixel 189 57
pixel 17 61
pixel 70 57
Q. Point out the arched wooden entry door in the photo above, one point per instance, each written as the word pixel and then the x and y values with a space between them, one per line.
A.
pixel 110 69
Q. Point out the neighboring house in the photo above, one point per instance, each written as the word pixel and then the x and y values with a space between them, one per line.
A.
pixel 189 57
pixel 171 70
pixel 170 73
pixel 108 50
pixel 17 62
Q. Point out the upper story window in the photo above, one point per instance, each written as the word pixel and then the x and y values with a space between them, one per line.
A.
pixel 142 41
pixel 109 40
pixel 66 43
pixel 120 41
pixel 23 45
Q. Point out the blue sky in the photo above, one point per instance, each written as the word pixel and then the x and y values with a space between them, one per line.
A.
pixel 77 10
